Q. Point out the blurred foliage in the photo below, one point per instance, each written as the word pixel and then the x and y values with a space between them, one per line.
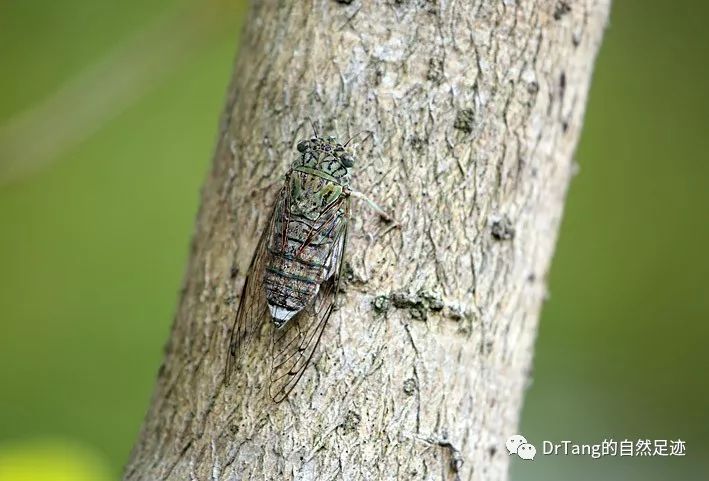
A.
pixel 51 461
pixel 95 233
pixel 621 348
pixel 94 244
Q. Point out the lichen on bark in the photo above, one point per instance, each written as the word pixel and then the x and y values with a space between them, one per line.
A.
pixel 475 109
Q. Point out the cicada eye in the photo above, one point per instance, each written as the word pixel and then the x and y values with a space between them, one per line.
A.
pixel 303 146
pixel 347 160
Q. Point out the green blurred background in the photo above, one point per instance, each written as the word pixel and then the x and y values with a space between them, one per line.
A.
pixel 114 106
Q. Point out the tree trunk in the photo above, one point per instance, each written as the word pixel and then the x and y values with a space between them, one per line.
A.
pixel 475 109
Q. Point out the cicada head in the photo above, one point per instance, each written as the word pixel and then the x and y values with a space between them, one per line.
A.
pixel 325 157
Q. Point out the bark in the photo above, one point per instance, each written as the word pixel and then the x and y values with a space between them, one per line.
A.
pixel 475 108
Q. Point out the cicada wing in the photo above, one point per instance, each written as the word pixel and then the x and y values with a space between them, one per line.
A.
pixel 253 308
pixel 293 346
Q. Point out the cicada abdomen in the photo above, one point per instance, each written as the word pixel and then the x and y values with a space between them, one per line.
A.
pixel 295 272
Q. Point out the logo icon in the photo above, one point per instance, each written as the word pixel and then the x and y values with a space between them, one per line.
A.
pixel 517 444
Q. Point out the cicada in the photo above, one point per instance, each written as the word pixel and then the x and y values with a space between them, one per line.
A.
pixel 294 277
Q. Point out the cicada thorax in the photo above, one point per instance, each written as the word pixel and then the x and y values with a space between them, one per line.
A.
pixel 308 221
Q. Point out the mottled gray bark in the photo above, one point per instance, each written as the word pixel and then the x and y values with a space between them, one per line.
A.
pixel 476 108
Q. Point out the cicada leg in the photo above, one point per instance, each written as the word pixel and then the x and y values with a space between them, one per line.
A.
pixel 382 213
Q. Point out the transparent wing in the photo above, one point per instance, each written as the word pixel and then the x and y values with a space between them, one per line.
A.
pixel 253 309
pixel 294 344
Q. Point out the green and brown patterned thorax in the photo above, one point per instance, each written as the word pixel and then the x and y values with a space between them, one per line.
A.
pixel 324 158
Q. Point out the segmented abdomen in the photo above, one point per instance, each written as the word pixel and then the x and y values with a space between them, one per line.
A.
pixel 301 260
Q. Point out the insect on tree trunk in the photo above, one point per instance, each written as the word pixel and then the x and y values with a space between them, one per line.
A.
pixel 475 109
